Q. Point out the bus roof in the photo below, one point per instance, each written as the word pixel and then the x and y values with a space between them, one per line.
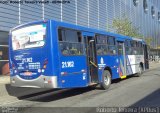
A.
pixel 82 28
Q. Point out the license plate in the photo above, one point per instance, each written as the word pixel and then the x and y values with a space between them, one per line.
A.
pixel 28 73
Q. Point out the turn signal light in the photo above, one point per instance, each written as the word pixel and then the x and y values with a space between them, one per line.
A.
pixel 45 63
pixel 44 66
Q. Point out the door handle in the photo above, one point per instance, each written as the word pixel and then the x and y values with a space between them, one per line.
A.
pixel 93 64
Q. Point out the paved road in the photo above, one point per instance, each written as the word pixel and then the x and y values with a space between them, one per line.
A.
pixel 130 92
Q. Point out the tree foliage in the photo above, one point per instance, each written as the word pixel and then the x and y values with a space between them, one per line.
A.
pixel 124 26
pixel 148 40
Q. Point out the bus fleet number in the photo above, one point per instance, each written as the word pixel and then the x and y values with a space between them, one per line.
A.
pixel 67 64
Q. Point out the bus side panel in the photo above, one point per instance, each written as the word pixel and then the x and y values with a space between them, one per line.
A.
pixel 130 66
pixel 135 61
pixel 10 53
pixel 73 71
pixel 47 52
pixel 55 52
pixel 108 61
pixel 121 66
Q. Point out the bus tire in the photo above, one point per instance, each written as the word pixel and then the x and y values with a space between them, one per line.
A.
pixel 140 71
pixel 106 80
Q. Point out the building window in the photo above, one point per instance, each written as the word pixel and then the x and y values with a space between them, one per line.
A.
pixel 4 66
pixel 135 2
pixel 158 16
pixel 145 6
pixel 153 12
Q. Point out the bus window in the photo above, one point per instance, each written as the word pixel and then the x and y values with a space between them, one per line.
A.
pixel 101 45
pixel 70 42
pixel 101 39
pixel 134 47
pixel 120 48
pixel 111 45
pixel 140 48
pixel 128 48
pixel 29 37
pixel 102 49
pixel 112 50
pixel 111 40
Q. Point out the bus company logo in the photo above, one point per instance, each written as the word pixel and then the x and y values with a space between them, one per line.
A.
pixel 102 64
pixel 117 60
pixel 102 60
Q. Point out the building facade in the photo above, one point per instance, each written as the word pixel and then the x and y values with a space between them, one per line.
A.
pixel 98 14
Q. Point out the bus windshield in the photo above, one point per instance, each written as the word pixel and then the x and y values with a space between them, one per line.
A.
pixel 29 37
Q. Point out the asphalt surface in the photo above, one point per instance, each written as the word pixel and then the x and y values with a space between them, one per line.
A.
pixel 134 92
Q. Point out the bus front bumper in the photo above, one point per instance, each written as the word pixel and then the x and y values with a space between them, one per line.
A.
pixel 40 82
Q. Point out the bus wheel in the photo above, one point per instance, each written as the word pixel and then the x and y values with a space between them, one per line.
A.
pixel 140 71
pixel 106 80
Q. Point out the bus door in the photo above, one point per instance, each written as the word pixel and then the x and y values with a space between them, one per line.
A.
pixel 90 49
pixel 122 59
pixel 146 59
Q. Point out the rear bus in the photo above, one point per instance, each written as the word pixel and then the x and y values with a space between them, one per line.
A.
pixel 30 57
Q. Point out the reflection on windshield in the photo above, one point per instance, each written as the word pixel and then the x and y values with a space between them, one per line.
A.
pixel 29 37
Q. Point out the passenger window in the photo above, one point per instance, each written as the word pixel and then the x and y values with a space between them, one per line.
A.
pixel 128 48
pixel 120 48
pixel 112 50
pixel 105 45
pixel 140 48
pixel 102 48
pixel 111 45
pixel 111 40
pixel 70 42
pixel 134 47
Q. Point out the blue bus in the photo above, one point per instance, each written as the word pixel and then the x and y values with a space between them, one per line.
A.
pixel 52 54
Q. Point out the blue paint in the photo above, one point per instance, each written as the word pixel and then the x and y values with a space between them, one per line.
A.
pixel 74 76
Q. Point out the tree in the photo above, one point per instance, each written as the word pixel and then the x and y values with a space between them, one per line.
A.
pixel 124 26
pixel 148 40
